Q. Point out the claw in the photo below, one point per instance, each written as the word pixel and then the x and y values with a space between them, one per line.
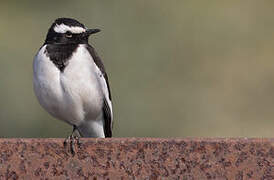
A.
pixel 72 149
pixel 70 140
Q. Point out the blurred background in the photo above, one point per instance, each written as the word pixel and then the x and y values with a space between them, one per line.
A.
pixel 176 68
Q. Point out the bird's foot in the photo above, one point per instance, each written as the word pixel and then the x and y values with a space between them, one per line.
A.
pixel 78 141
pixel 72 141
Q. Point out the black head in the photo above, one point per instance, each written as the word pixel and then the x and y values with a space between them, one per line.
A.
pixel 68 31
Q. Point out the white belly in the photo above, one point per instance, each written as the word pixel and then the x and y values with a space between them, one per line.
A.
pixel 72 96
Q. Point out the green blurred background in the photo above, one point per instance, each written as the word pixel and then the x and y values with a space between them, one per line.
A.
pixel 177 68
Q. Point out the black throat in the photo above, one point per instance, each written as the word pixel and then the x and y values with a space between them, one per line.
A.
pixel 60 54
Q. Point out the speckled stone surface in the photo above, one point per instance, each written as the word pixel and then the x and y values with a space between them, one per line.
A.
pixel 138 158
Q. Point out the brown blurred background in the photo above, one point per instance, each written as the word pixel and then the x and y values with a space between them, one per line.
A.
pixel 176 68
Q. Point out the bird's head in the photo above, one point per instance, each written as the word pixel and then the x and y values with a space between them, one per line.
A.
pixel 68 31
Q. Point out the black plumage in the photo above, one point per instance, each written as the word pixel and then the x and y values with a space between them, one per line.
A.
pixel 60 54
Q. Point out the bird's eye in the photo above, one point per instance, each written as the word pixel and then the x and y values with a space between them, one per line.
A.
pixel 68 34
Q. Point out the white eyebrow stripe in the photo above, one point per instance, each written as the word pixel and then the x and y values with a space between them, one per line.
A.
pixel 62 28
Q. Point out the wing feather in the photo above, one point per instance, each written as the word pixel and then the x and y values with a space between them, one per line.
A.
pixel 107 105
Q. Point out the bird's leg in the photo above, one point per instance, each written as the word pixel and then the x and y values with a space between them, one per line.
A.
pixel 77 136
pixel 71 140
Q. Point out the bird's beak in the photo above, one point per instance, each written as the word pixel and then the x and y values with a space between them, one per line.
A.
pixel 91 31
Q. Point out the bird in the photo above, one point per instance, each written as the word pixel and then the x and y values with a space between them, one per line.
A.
pixel 70 80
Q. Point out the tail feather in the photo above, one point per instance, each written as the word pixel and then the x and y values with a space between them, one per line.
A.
pixel 92 129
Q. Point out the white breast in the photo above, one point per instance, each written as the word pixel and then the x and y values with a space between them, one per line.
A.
pixel 75 94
